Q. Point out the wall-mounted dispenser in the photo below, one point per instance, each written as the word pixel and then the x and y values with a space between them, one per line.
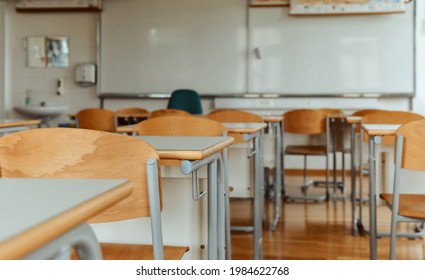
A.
pixel 85 74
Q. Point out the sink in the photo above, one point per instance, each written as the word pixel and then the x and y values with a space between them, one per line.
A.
pixel 47 112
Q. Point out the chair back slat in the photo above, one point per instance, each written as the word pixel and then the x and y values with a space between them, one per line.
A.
pixel 413 145
pixel 305 121
pixel 96 119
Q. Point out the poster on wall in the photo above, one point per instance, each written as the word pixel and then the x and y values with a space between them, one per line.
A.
pixel 312 7
pixel 57 51
pixel 52 52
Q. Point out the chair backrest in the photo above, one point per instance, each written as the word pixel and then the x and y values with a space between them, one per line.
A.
pixel 364 112
pixel 180 126
pixel 96 119
pixel 305 121
pixel 168 112
pixel 82 153
pixel 132 111
pixel 361 113
pixel 413 152
pixel 187 100
pixel 389 117
pixel 229 115
pixel 131 115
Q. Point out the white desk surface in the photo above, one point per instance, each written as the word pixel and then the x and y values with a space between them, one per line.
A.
pixel 353 119
pixel 273 119
pixel 244 127
pixel 380 129
pixel 36 211
pixel 187 147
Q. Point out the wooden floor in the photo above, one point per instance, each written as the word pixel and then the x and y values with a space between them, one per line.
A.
pixel 316 231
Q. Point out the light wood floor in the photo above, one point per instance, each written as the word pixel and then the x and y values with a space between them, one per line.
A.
pixel 316 231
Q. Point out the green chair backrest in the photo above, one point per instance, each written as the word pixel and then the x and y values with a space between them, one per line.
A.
pixel 187 100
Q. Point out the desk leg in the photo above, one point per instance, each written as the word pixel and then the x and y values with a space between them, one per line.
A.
pixel 82 238
pixel 258 199
pixel 278 176
pixel 228 241
pixel 221 211
pixel 212 211
pixel 373 140
pixel 353 178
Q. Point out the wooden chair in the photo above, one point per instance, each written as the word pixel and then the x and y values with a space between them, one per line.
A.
pixel 96 119
pixel 180 126
pixel 82 153
pixel 410 155
pixel 230 115
pixel 307 122
pixel 168 112
pixel 131 115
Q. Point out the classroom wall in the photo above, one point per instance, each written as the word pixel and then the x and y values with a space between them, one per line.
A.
pixel 81 28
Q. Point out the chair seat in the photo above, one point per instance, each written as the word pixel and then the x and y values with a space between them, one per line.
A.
pixel 410 205
pixel 117 251
pixel 305 150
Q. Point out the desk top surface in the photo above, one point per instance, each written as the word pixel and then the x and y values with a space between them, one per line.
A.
pixel 35 211
pixel 187 147
pixel 380 129
pixel 273 119
pixel 353 119
pixel 15 123
pixel 244 127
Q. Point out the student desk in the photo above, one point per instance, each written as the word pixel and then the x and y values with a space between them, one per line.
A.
pixel 39 217
pixel 195 152
pixel 254 131
pixel 375 132
pixel 7 126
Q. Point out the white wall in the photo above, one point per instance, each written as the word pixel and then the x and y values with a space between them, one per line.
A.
pixel 419 100
pixel 81 28
pixel 3 28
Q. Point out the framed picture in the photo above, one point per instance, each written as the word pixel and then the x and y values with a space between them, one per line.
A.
pixel 57 51
pixel 269 3
pixel 52 52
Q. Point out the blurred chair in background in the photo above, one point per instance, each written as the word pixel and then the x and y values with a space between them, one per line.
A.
pixel 96 119
pixel 187 100
pixel 131 115
pixel 167 112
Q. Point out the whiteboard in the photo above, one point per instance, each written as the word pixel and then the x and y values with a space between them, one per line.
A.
pixel 156 46
pixel 336 55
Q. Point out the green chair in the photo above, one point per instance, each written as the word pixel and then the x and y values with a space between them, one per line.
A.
pixel 187 100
